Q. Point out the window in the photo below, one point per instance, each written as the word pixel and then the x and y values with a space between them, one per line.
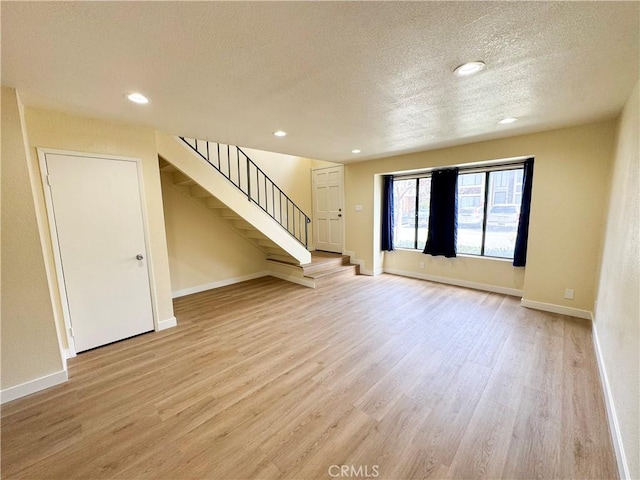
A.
pixel 490 231
pixel 488 211
pixel 411 212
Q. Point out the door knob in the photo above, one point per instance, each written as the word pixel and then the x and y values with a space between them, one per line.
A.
pixel 339 214
pixel 139 257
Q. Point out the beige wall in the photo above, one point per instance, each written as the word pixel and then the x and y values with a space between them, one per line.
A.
pixel 569 191
pixel 293 175
pixel 30 347
pixel 617 317
pixel 202 248
pixel 48 129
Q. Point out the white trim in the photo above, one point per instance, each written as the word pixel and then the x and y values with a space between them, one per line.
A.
pixel 458 283
pixel 220 283
pixel 53 236
pixel 305 282
pixel 614 426
pixel 168 323
pixel 33 386
pixel 550 307
pixel 68 353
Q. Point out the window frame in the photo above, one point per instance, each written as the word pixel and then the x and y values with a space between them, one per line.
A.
pixel 416 216
pixel 486 169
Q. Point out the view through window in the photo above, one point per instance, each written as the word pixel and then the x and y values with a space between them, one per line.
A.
pixel 488 211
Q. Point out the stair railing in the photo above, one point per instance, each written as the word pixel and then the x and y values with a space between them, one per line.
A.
pixel 250 179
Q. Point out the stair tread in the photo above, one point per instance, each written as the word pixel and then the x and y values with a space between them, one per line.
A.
pixel 324 258
pixel 330 271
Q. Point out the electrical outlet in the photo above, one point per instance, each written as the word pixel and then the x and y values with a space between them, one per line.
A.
pixel 421 264
pixel 568 294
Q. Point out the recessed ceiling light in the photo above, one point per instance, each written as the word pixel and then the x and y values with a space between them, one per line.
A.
pixel 508 120
pixel 138 98
pixel 469 68
pixel 355 151
pixel 280 133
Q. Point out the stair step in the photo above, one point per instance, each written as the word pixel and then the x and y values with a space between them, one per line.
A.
pixel 284 260
pixel 180 178
pixel 342 269
pixel 198 191
pixel 230 215
pixel 243 225
pixel 167 167
pixel 266 243
pixel 213 202
pixel 323 261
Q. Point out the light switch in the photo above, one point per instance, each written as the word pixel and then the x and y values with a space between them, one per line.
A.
pixel 358 208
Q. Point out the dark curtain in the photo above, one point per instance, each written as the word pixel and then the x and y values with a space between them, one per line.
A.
pixel 520 253
pixel 441 239
pixel 387 213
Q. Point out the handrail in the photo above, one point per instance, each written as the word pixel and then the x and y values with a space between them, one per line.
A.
pixel 249 178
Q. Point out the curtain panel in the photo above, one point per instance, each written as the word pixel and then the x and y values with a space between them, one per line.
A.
pixel 443 208
pixel 387 213
pixel 520 252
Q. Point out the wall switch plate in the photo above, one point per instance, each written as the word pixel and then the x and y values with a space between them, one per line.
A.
pixel 358 208
pixel 568 294
pixel 421 264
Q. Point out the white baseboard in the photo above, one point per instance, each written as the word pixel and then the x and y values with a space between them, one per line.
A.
pixel 68 353
pixel 614 426
pixel 305 282
pixel 168 323
pixel 550 307
pixel 33 386
pixel 458 283
pixel 218 284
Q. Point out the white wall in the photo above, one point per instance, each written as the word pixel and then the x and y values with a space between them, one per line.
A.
pixel 617 316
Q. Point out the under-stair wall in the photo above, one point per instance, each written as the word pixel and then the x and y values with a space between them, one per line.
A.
pixel 204 251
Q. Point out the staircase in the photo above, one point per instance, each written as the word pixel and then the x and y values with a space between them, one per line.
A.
pixel 225 180
pixel 324 268
pixel 241 194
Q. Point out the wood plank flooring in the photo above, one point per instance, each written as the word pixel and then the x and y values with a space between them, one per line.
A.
pixel 391 377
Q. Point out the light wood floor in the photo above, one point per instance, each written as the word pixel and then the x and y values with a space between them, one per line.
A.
pixel 266 379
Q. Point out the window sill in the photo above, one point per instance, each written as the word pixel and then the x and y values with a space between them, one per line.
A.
pixel 462 255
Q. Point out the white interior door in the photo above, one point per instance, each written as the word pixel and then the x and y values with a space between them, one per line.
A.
pixel 101 239
pixel 327 209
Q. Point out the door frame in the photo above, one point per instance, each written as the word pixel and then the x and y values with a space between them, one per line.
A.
pixel 314 204
pixel 70 352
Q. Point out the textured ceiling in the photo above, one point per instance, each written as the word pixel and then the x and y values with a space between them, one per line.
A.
pixel 335 75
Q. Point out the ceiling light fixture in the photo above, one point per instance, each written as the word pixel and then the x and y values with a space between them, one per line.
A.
pixel 280 133
pixel 469 68
pixel 504 121
pixel 138 98
pixel 356 150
